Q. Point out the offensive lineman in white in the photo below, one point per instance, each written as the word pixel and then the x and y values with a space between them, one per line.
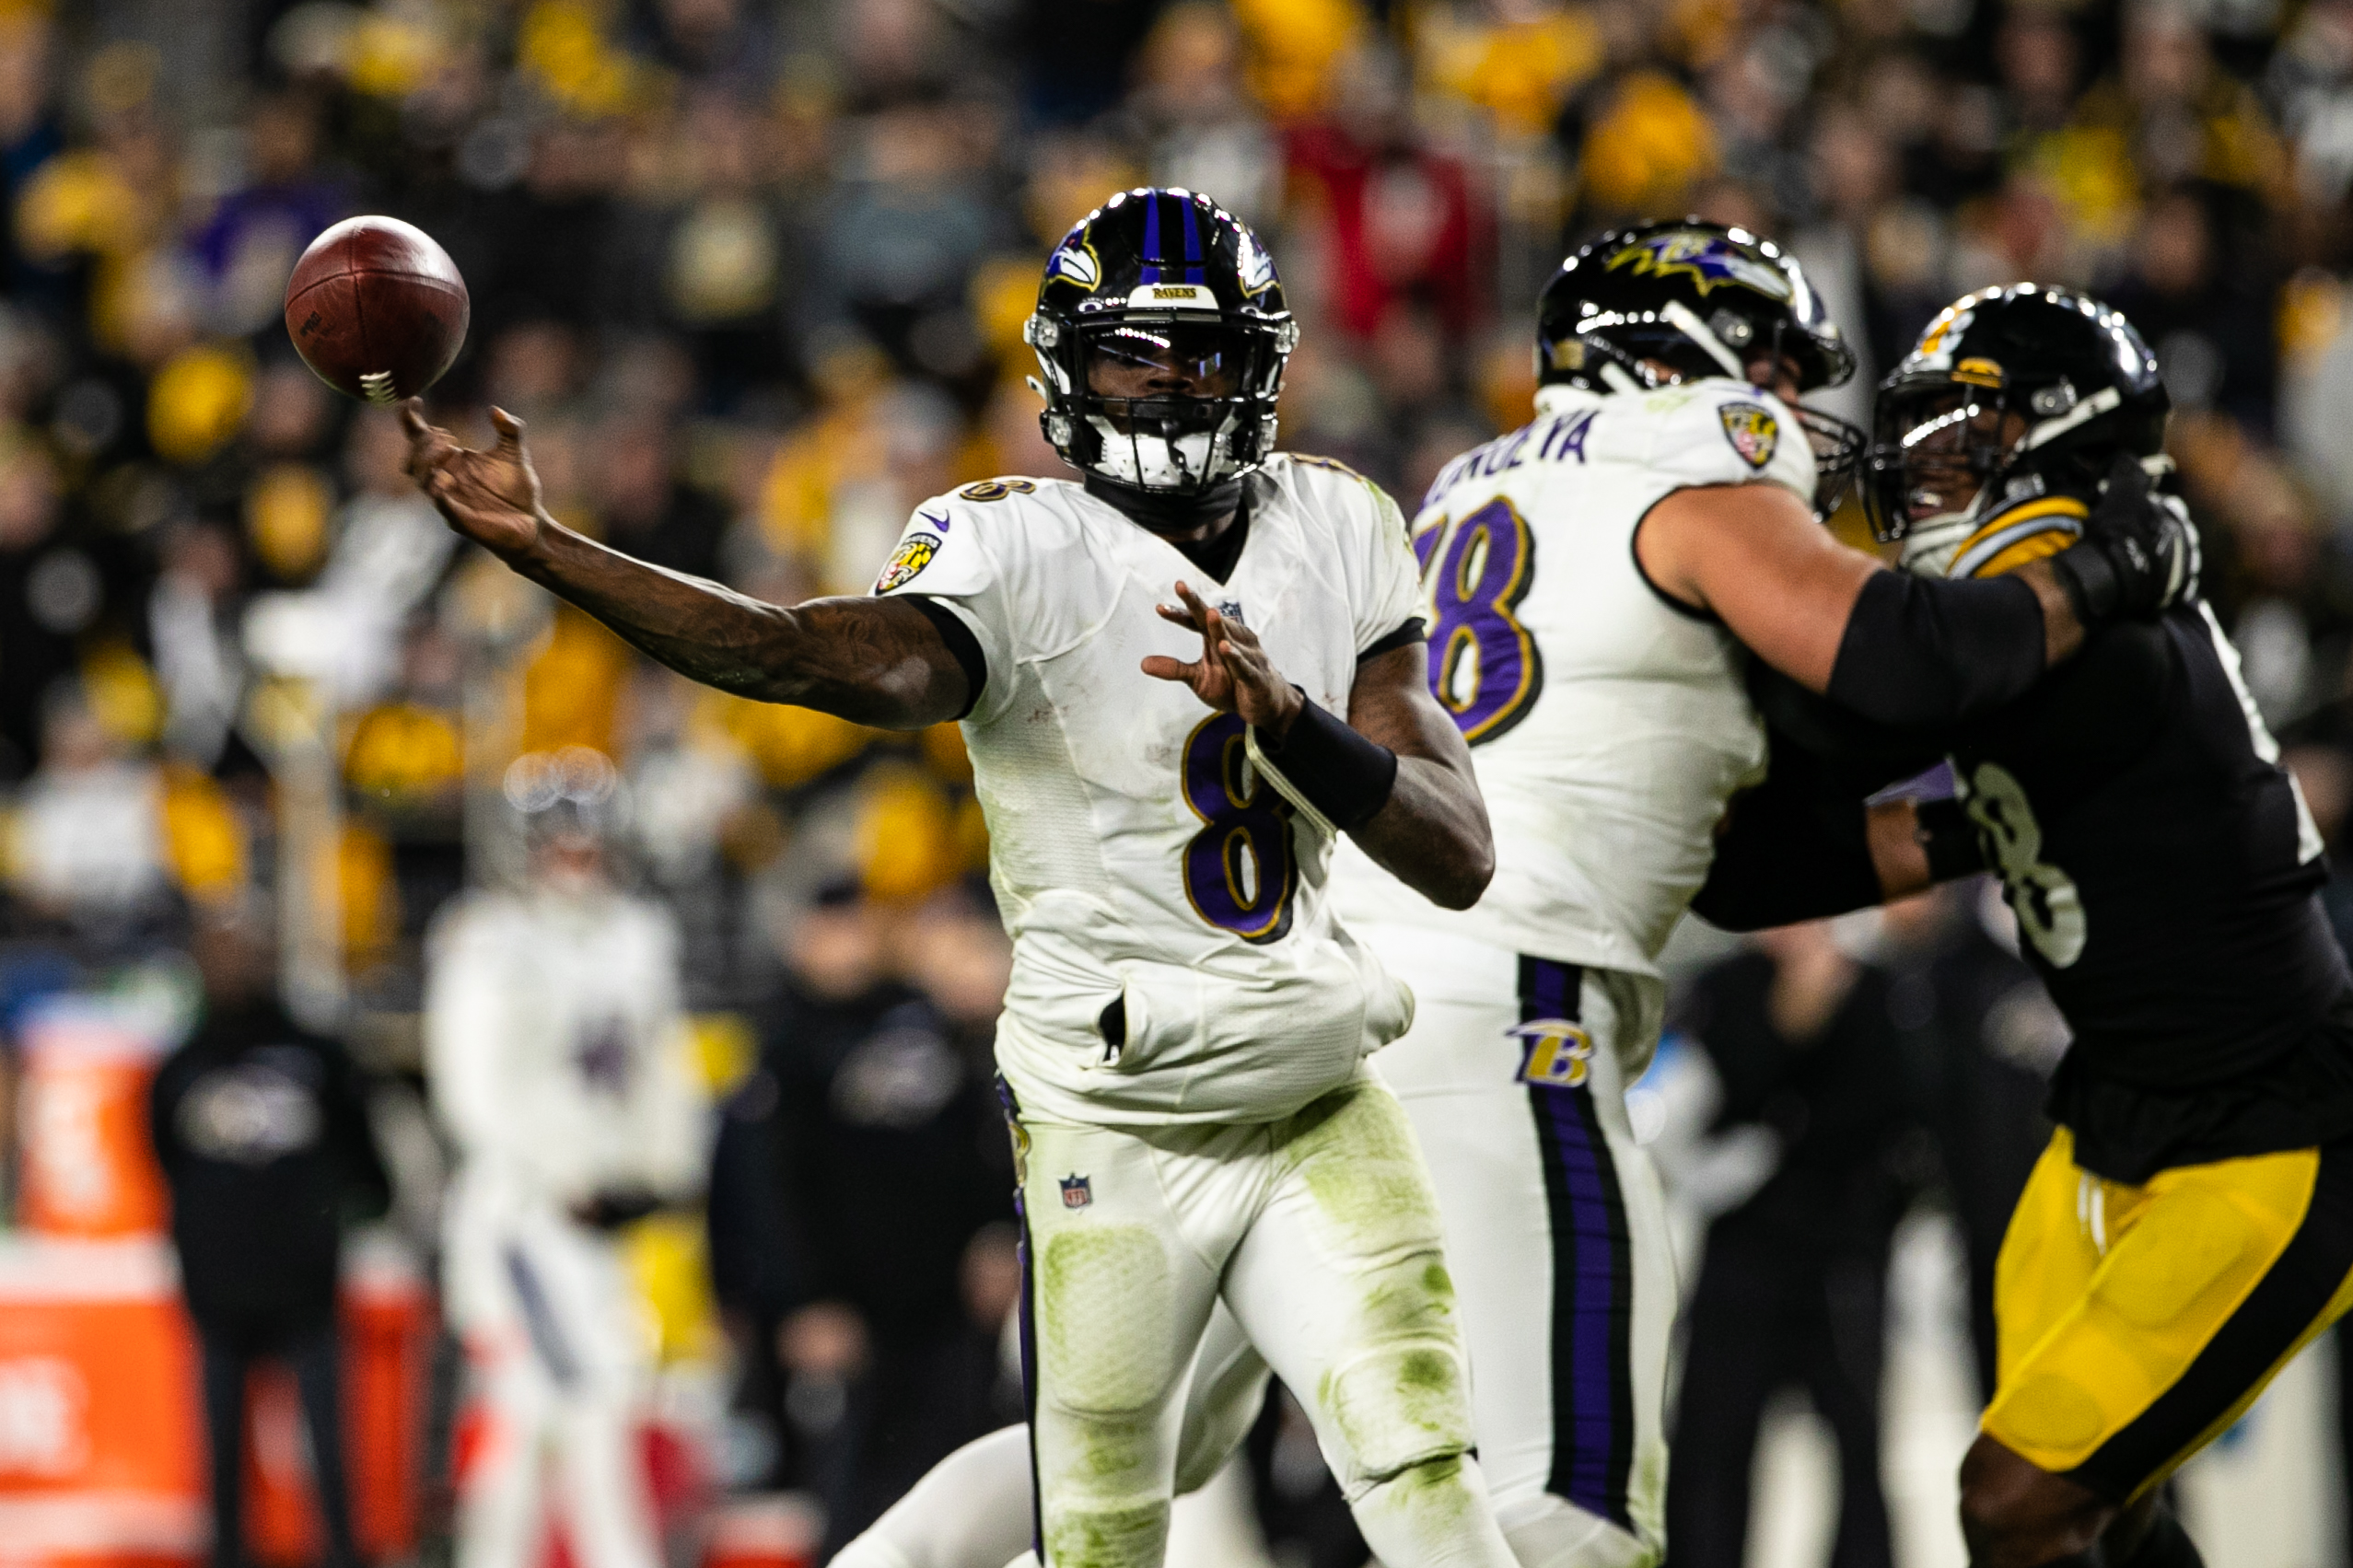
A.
pixel 1589 581
pixel 1593 578
pixel 555 1054
pixel 1184 1037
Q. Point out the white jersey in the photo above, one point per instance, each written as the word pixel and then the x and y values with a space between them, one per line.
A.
pixel 1608 724
pixel 1137 858
pixel 554 1047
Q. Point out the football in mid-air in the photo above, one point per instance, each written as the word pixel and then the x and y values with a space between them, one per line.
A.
pixel 376 308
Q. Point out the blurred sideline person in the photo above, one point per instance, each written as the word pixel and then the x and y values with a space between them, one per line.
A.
pixel 836 987
pixel 262 1129
pixel 862 1162
pixel 1590 579
pixel 1804 1058
pixel 556 1061
pixel 1182 1043
pixel 2190 1226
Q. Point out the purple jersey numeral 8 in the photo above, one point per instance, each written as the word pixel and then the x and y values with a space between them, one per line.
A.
pixel 1238 870
pixel 1484 666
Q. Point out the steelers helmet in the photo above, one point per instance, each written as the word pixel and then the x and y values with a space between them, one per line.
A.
pixel 1699 299
pixel 2014 403
pixel 1161 276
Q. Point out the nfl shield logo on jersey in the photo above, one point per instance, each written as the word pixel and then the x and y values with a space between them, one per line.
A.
pixel 1078 1192
pixel 1554 1053
pixel 1753 432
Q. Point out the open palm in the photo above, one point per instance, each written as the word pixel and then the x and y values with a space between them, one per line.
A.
pixel 1233 674
pixel 491 497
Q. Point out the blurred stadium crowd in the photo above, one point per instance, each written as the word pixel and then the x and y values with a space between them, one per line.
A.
pixel 755 271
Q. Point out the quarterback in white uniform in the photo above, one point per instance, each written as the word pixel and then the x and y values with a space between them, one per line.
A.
pixel 1589 581
pixel 556 1059
pixel 1183 1043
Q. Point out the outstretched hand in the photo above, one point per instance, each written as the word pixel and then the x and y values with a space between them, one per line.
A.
pixel 491 497
pixel 1233 674
pixel 2148 538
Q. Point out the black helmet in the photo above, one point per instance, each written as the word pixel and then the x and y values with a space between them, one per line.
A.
pixel 2012 394
pixel 1704 300
pixel 1158 276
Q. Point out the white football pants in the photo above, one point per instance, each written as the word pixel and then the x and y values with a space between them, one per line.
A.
pixel 1320 1235
pixel 555 1340
pixel 1513 1077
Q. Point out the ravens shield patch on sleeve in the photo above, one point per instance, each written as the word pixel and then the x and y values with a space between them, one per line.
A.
pixel 1752 431
pixel 914 554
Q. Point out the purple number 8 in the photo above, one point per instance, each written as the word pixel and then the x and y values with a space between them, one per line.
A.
pixel 1238 871
pixel 1484 670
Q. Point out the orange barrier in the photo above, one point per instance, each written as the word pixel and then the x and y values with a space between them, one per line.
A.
pixel 88 1168
pixel 102 1440
pixel 387 1332
pixel 775 1530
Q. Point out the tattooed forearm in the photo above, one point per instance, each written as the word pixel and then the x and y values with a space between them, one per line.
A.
pixel 873 661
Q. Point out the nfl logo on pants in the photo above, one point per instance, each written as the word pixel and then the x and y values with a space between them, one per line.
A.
pixel 1077 1191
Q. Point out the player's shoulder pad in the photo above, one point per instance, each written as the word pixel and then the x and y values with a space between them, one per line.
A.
pixel 994 516
pixel 1314 479
pixel 1719 431
pixel 476 918
pixel 1328 488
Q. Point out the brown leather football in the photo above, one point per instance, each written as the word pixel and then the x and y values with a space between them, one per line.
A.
pixel 376 308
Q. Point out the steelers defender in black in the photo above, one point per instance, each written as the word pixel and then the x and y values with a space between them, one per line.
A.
pixel 2190 1226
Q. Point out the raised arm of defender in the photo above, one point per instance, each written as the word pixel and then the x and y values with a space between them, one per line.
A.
pixel 1395 775
pixel 1754 557
pixel 1896 649
pixel 874 661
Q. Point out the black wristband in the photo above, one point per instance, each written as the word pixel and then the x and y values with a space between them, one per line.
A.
pixel 2089 579
pixel 1949 837
pixel 1330 767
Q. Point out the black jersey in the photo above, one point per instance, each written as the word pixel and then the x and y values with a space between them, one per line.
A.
pixel 2163 872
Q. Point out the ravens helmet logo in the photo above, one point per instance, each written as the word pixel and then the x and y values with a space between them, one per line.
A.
pixel 1709 260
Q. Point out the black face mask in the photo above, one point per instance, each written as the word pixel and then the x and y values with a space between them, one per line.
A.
pixel 1162 513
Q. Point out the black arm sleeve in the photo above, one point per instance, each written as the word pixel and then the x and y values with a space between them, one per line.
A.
pixel 960 642
pixel 1792 848
pixel 1918 652
pixel 1866 754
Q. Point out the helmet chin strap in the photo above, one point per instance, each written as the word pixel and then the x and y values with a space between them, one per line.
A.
pixel 1931 544
pixel 1962 544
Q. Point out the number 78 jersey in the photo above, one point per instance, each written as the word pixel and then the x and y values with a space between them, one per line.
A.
pixel 1609 724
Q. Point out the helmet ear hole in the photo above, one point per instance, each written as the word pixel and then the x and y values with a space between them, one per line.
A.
pixel 2049 403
